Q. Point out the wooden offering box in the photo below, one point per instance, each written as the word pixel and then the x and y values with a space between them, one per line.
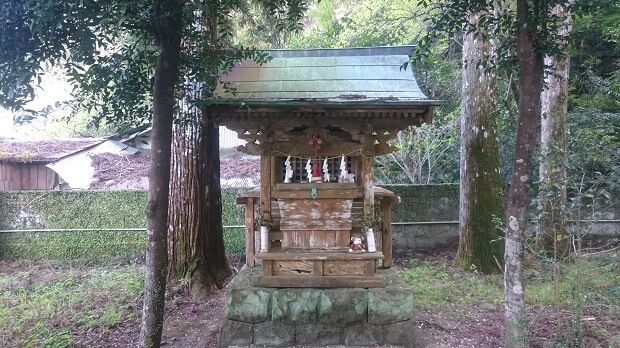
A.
pixel 315 216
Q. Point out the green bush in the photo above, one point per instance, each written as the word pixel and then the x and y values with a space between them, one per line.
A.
pixel 102 210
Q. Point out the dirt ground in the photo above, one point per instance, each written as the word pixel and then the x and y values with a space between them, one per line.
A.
pixel 195 323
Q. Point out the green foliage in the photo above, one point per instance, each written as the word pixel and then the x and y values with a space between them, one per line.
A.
pixel 593 278
pixel 125 209
pixel 425 202
pixel 595 60
pixel 436 285
pixel 107 50
pixel 91 210
pixel 72 209
pixel 48 306
pixel 71 245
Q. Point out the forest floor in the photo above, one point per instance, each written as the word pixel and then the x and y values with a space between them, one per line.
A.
pixel 454 308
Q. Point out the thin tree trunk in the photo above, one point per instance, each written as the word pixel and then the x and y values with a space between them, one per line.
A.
pixel 553 230
pixel 481 197
pixel 168 20
pixel 530 77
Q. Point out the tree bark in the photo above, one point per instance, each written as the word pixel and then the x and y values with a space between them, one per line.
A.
pixel 553 234
pixel 196 238
pixel 168 20
pixel 530 78
pixel 481 197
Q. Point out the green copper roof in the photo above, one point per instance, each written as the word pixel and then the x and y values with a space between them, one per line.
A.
pixel 370 75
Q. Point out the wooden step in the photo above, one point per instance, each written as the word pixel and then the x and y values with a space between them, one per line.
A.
pixel 319 270
pixel 375 281
pixel 305 256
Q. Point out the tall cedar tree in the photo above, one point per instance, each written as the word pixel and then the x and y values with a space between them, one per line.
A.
pixel 552 172
pixel 534 32
pixel 481 196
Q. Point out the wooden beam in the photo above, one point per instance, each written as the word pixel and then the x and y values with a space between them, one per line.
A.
pixel 274 171
pixel 311 281
pixel 371 268
pixel 267 268
pixel 318 268
pixel 301 256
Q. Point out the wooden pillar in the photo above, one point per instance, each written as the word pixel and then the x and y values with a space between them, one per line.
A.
pixel 249 232
pixel 265 181
pixel 386 231
pixel 274 171
pixel 264 205
pixel 368 177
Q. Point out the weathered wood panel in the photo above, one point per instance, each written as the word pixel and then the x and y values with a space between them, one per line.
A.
pixel 42 178
pixel 267 268
pixel 327 268
pixel 4 177
pixel 315 239
pixel 293 267
pixel 52 179
pixel 310 214
pixel 318 256
pixel 323 190
pixel 340 268
pixel 16 177
pixel 33 170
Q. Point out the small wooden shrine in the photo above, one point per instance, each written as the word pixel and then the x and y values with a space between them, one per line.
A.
pixel 317 118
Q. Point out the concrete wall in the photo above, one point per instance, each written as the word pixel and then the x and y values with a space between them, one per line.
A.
pixel 428 218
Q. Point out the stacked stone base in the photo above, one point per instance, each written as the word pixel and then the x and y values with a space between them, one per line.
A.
pixel 321 317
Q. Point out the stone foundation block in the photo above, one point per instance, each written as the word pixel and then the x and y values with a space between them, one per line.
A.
pixel 389 305
pixel 295 306
pixel 234 333
pixel 318 334
pixel 399 334
pixel 248 305
pixel 272 334
pixel 363 335
pixel 343 307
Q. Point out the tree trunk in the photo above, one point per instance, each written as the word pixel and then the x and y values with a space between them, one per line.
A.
pixel 168 20
pixel 197 239
pixel 481 197
pixel 553 230
pixel 530 77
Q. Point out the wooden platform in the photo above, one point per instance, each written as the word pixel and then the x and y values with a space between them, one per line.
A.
pixel 319 270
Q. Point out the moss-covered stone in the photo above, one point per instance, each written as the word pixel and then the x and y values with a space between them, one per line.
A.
pixel 363 335
pixel 250 305
pixel 386 306
pixel 272 334
pixel 343 307
pixel 234 333
pixel 318 334
pixel 295 306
